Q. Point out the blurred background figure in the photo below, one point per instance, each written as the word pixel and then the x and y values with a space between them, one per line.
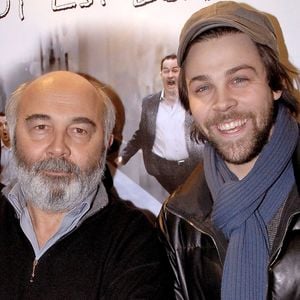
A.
pixel 8 173
pixel 164 133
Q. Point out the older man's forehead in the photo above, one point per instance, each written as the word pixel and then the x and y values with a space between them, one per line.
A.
pixel 59 90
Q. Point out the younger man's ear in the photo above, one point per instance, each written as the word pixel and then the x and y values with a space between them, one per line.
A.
pixel 277 94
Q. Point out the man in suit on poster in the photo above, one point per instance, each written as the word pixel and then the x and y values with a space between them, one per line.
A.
pixel 164 133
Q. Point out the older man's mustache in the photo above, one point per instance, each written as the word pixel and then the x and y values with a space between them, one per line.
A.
pixel 56 165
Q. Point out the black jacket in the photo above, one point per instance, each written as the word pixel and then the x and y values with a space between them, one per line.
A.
pixel 113 254
pixel 196 249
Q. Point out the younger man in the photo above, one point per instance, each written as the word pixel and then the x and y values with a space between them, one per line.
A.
pixel 232 231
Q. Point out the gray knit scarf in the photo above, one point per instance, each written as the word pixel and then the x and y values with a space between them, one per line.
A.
pixel 242 209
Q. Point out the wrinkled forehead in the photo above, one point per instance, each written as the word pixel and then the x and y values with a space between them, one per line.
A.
pixel 63 84
pixel 73 93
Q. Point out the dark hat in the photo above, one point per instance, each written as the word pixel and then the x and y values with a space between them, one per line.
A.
pixel 228 14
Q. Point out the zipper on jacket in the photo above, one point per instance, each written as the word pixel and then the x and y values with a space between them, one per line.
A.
pixel 202 231
pixel 210 235
pixel 34 264
pixel 278 250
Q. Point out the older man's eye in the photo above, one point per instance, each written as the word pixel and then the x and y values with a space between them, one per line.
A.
pixel 40 127
pixel 81 131
pixel 77 131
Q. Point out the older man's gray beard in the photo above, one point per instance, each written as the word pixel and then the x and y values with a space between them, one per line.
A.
pixel 57 193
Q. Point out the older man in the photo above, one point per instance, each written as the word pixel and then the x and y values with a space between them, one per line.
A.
pixel 62 236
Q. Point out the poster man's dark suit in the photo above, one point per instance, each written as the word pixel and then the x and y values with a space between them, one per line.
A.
pixel 169 173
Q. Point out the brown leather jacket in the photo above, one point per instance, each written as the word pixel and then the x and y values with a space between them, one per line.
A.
pixel 196 249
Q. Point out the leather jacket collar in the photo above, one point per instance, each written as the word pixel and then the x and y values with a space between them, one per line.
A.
pixel 193 202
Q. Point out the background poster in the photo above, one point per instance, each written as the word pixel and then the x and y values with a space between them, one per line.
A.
pixel 121 43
